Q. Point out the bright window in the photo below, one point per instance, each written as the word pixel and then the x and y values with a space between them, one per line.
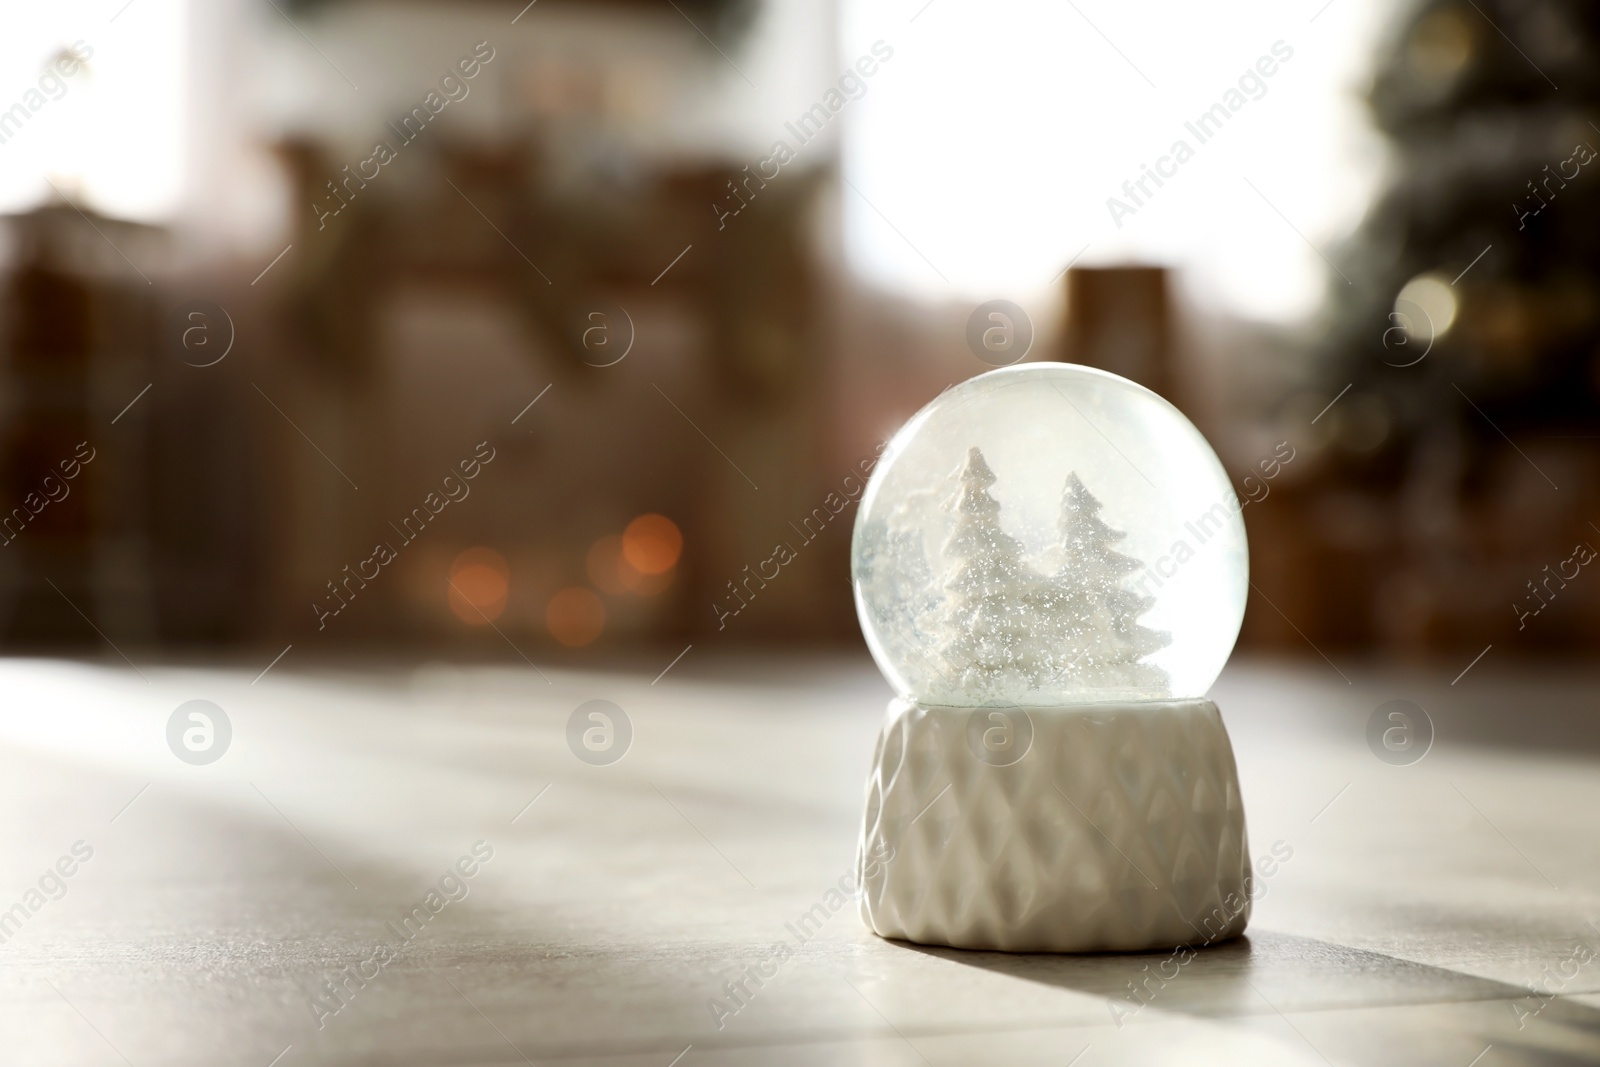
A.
pixel 111 136
pixel 995 136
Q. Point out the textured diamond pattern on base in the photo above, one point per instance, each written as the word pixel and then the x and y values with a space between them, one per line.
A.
pixel 1120 829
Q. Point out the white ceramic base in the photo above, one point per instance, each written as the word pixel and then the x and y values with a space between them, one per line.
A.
pixel 1112 827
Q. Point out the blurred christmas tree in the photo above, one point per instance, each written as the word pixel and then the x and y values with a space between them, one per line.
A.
pixel 1467 322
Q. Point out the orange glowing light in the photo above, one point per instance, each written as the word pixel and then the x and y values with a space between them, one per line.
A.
pixel 480 583
pixel 575 616
pixel 613 575
pixel 651 544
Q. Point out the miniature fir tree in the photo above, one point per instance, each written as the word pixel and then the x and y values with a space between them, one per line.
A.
pixel 988 621
pixel 1008 631
pixel 1095 618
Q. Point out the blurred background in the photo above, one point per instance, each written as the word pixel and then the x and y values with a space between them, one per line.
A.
pixel 495 330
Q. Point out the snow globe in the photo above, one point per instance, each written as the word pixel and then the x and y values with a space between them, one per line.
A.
pixel 1050 569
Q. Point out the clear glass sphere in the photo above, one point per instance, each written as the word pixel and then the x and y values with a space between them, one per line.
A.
pixel 1049 534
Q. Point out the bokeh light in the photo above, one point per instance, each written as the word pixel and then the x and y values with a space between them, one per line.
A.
pixel 480 584
pixel 612 573
pixel 651 544
pixel 575 616
pixel 1426 307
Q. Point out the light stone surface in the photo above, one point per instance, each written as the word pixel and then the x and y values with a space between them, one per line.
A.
pixel 1106 827
pixel 1419 907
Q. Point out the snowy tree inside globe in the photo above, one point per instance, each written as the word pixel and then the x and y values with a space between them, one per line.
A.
pixel 1049 534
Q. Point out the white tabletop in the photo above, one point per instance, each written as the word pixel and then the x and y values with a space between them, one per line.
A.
pixel 1420 906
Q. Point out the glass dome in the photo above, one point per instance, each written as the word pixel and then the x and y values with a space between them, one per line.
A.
pixel 1049 534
